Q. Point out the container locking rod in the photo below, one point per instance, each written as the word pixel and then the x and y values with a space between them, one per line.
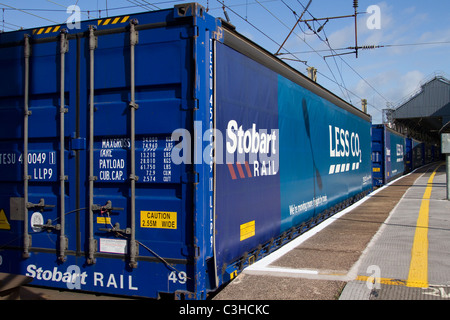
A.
pixel 26 177
pixel 93 44
pixel 133 106
pixel 63 242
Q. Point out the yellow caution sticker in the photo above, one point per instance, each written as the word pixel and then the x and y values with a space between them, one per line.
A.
pixel 4 224
pixel 159 219
pixel 376 169
pixel 247 230
pixel 104 220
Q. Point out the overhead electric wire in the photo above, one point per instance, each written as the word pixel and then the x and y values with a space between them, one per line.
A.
pixel 375 90
pixel 297 59
pixel 147 4
pixel 61 5
pixel 32 14
pixel 321 28
pixel 415 44
pixel 348 63
pixel 381 46
pixel 337 67
pixel 10 28
pixel 142 5
pixel 151 4
pixel 335 80
pixel 331 49
pixel 322 74
pixel 12 24
pixel 246 20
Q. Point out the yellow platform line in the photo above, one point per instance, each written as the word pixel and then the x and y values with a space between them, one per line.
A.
pixel 418 267
pixel 392 282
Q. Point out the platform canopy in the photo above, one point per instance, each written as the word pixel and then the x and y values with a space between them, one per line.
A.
pixel 426 113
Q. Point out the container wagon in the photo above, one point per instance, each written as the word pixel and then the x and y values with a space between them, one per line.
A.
pixel 161 153
pixel 414 154
pixel 388 154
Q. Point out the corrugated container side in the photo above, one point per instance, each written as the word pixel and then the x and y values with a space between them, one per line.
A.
pixel 293 153
pixel 395 147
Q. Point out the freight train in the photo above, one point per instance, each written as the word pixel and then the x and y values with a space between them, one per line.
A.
pixel 394 154
pixel 161 153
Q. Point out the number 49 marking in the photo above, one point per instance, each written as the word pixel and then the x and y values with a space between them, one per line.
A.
pixel 179 277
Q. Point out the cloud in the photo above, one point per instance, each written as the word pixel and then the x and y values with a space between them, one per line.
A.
pixel 391 84
pixel 378 81
pixel 410 82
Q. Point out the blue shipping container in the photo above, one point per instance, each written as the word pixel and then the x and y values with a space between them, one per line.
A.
pixel 388 154
pixel 161 153
pixel 414 154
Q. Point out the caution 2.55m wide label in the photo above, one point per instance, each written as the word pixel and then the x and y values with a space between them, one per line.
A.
pixel 159 219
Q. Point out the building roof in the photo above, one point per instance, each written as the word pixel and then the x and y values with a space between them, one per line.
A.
pixel 427 111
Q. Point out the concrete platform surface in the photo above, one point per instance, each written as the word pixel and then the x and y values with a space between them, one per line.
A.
pixel 364 252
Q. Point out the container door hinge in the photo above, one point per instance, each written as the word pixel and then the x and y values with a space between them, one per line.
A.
pixel 196 104
pixel 196 251
pixel 195 31
pixel 191 177
pixel 192 104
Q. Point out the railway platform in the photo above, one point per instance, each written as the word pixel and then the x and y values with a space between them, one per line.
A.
pixel 392 245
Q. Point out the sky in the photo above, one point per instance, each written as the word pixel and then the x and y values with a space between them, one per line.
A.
pixel 415 36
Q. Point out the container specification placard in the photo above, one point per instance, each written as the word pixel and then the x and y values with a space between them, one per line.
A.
pixel 153 160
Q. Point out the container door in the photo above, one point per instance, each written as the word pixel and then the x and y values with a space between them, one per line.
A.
pixel 139 225
pixel 102 207
pixel 378 160
pixel 37 170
